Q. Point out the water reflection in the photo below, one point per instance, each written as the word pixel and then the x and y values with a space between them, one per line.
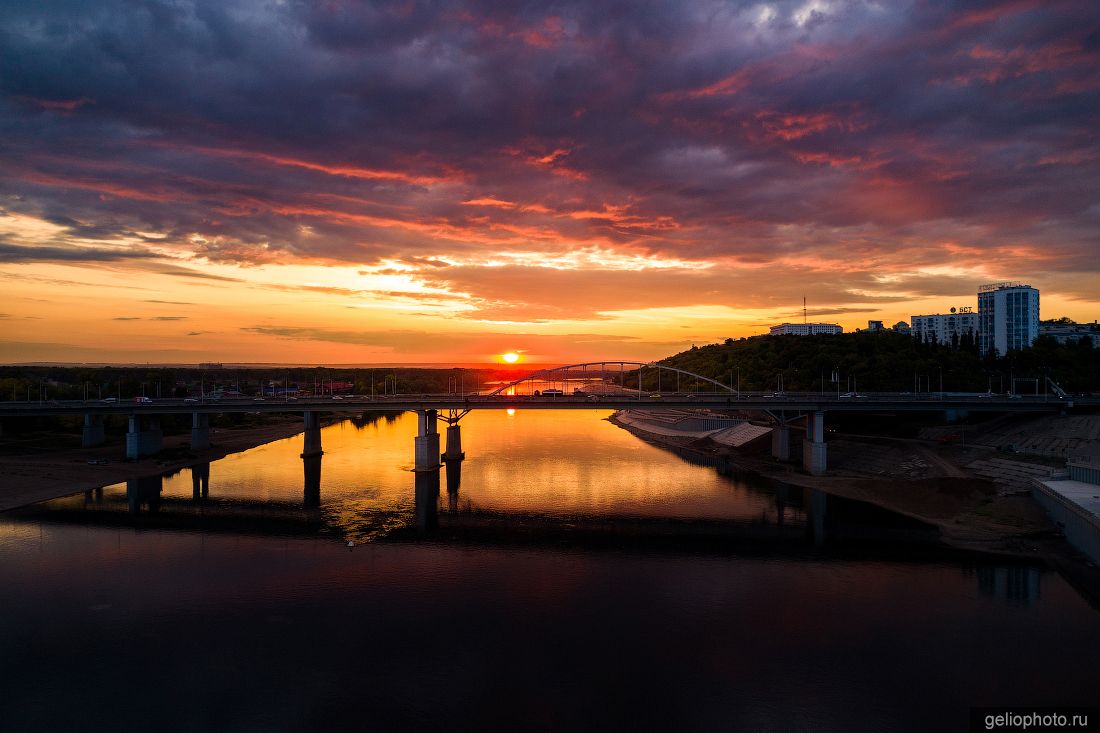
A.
pixel 550 470
pixel 200 481
pixel 454 483
pixel 426 488
pixel 311 467
pixel 1015 585
pixel 144 493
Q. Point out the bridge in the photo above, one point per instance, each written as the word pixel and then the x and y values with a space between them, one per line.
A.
pixel 608 385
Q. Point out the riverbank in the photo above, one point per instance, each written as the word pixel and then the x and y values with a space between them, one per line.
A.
pixel 907 477
pixel 29 478
pixel 924 481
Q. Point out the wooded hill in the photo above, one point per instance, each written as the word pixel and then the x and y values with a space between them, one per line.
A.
pixel 888 362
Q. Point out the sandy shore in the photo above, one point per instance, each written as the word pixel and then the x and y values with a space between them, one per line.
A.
pixel 25 479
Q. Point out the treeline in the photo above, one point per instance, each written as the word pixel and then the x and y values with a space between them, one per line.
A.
pixel 888 362
pixel 72 383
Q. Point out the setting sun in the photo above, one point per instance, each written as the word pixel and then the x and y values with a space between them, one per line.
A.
pixel 511 357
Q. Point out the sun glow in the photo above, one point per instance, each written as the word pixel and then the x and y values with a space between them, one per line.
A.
pixel 511 357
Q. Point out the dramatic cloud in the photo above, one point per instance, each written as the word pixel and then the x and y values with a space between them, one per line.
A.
pixel 533 163
pixel 12 253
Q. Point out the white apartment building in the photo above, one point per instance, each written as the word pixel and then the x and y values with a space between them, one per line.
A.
pixel 1008 317
pixel 945 328
pixel 805 329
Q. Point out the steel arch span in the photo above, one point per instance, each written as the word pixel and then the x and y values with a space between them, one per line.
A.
pixel 592 371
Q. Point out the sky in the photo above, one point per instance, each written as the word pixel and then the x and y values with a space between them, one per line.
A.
pixel 441 182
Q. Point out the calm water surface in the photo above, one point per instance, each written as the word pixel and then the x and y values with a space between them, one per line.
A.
pixel 566 587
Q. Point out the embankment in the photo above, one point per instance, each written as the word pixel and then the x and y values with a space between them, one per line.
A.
pixel 28 478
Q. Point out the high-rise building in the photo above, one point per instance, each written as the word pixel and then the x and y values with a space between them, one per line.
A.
pixel 1008 317
pixel 946 328
pixel 804 329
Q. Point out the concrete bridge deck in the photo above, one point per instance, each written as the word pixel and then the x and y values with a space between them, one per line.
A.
pixel 800 402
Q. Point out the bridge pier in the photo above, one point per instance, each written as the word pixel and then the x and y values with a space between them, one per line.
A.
pixel 781 442
pixel 426 443
pixel 200 431
pixel 454 444
pixel 143 437
pixel 94 433
pixel 311 438
pixel 813 447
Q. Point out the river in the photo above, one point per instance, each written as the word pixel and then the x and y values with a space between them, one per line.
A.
pixel 572 576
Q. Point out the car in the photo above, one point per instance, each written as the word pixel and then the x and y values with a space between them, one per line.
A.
pixel 593 398
pixel 258 399
pixel 110 400
pixel 190 399
pixel 655 396
pixel 143 400
pixel 337 397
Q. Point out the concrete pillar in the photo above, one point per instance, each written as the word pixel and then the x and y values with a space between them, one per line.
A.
pixel 311 445
pixel 93 431
pixel 200 431
pixel 781 442
pixel 454 444
pixel 813 447
pixel 426 421
pixel 427 499
pixel 426 444
pixel 133 443
pixel 311 469
pixel 143 437
pixel 200 480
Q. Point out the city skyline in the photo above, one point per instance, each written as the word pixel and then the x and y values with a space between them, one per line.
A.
pixel 386 182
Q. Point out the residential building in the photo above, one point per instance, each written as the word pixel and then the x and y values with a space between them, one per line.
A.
pixel 875 326
pixel 1008 317
pixel 900 327
pixel 946 328
pixel 805 329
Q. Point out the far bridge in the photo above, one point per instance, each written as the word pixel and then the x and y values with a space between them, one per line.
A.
pixel 605 385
